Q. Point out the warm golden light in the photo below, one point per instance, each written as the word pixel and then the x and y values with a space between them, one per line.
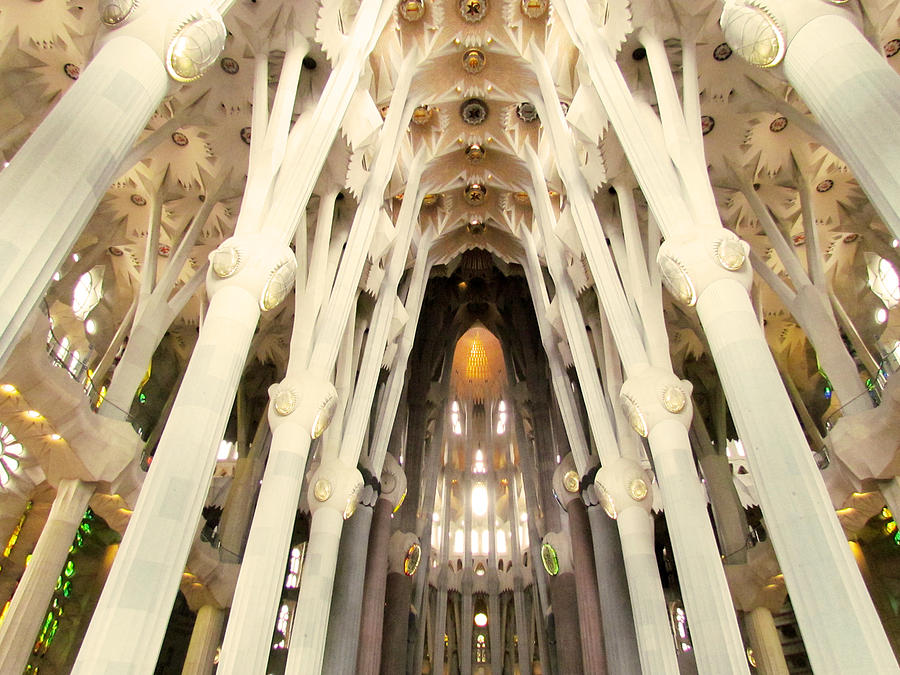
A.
pixel 8 389
pixel 481 619
pixel 55 437
pixel 32 414
pixel 476 366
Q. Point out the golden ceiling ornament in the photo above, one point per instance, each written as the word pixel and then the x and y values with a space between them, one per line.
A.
pixel 475 194
pixel 475 153
pixel 473 10
pixel 475 227
pixel 535 9
pixel 521 198
pixel 571 482
pixel 421 115
pixel 412 10
pixel 430 199
pixel 474 61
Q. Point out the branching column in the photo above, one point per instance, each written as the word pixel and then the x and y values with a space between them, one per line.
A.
pixel 849 87
pixel 131 616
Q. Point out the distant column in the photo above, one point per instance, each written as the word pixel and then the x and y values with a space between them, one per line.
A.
pixel 32 597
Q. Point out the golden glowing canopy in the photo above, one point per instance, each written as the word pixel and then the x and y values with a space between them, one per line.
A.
pixel 479 373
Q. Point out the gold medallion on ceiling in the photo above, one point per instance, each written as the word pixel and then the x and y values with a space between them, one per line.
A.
pixel 475 194
pixel 475 226
pixel 475 153
pixel 473 10
pixel 430 199
pixel 421 115
pixel 412 10
pixel 535 9
pixel 474 61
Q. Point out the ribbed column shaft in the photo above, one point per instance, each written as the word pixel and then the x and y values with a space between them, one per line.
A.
pixel 648 604
pixel 564 599
pixel 841 630
pixel 256 598
pixel 368 659
pixel 396 624
pixel 590 622
pixel 618 622
pixel 304 653
pixel 346 602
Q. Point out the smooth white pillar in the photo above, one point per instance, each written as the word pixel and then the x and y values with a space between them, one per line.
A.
pixel 254 607
pixel 333 486
pixel 201 652
pixel 58 177
pixel 131 617
pixel 841 630
pixel 765 642
pixel 32 597
pixel 648 604
pixel 711 616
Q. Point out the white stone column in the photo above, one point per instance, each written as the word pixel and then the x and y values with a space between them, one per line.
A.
pixel 299 409
pixel 333 492
pixel 32 597
pixel 204 641
pixel 58 177
pixel 625 495
pixel 658 406
pixel 765 642
pixel 847 84
pixel 247 273
pixel 840 627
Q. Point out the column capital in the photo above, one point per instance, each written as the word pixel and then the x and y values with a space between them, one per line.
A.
pixel 404 553
pixel 335 485
pixel 653 396
pixel 304 400
pixel 393 482
pixel 623 484
pixel 259 264
pixel 691 265
pixel 187 35
pixel 760 31
pixel 556 553
pixel 566 482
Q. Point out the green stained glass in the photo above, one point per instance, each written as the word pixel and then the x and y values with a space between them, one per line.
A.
pixel 550 559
